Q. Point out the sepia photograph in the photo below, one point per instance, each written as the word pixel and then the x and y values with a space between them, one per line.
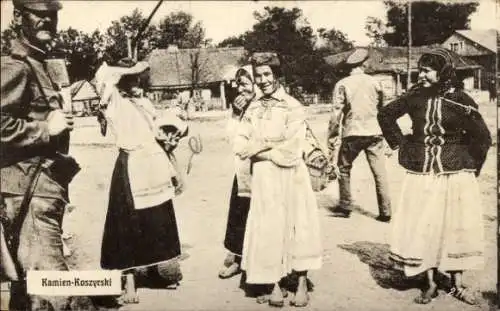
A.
pixel 249 155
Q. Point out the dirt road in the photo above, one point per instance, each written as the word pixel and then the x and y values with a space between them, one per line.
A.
pixel 355 274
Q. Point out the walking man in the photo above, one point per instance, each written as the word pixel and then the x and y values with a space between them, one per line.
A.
pixel 34 165
pixel 356 100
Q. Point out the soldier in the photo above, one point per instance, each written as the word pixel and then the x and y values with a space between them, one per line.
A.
pixel 34 164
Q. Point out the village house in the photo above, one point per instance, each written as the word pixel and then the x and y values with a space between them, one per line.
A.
pixel 84 98
pixel 202 75
pixel 481 46
pixel 389 65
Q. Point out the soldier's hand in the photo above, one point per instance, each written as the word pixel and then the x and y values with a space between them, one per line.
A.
pixel 58 122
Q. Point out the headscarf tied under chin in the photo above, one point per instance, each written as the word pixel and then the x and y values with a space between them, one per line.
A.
pixel 440 60
pixel 247 71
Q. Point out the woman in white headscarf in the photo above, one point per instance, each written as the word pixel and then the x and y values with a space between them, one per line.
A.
pixel 239 203
pixel 140 228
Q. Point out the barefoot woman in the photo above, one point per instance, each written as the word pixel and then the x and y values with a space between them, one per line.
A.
pixel 282 233
pixel 140 228
pixel 438 224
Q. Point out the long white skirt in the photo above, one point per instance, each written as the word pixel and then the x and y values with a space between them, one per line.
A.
pixel 438 224
pixel 282 232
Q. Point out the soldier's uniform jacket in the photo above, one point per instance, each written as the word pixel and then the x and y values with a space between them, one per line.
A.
pixel 446 137
pixel 24 133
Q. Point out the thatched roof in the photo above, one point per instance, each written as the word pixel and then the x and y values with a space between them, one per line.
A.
pixel 171 68
pixel 395 59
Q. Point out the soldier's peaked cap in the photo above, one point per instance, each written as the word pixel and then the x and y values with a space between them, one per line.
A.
pixel 38 5
pixel 357 57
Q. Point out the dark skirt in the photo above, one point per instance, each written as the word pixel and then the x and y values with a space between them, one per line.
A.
pixel 236 221
pixel 134 238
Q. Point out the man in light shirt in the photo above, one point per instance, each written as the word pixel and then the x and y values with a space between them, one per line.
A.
pixel 356 100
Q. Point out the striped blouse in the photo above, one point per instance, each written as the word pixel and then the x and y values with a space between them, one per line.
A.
pixel 448 132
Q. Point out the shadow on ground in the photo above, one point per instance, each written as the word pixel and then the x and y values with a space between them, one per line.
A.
pixel 354 209
pixel 376 256
pixel 492 299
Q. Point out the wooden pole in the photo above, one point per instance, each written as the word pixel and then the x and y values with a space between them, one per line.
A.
pixel 138 35
pixel 128 34
pixel 408 81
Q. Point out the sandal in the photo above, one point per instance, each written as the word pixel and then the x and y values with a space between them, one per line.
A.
pixel 273 303
pixel 464 294
pixel 230 271
pixel 427 296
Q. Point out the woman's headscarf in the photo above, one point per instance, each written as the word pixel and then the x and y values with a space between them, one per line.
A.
pixel 440 60
pixel 106 80
pixel 247 71
pixel 107 77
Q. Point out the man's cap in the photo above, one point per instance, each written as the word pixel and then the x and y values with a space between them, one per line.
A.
pixel 357 57
pixel 265 58
pixel 38 5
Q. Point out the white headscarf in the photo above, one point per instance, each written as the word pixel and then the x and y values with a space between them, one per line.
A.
pixel 107 77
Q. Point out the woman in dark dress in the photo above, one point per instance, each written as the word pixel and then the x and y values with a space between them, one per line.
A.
pixel 140 229
pixel 239 202
pixel 438 224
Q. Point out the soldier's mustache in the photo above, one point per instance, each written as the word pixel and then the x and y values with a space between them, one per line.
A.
pixel 44 26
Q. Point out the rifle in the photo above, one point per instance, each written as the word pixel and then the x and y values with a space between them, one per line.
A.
pixel 138 37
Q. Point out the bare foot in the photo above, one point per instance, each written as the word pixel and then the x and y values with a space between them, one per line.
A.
pixel 130 291
pixel 428 295
pixel 301 298
pixel 276 299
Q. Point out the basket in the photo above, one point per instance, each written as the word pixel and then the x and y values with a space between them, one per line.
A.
pixel 316 163
pixel 319 165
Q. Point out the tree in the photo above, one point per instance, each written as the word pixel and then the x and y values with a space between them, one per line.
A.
pixel 334 41
pixel 7 35
pixel 118 31
pixel 179 29
pixel 375 30
pixel 283 31
pixel 232 42
pixel 432 22
pixel 82 51
pixel 286 32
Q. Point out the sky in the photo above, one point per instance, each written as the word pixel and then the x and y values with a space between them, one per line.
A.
pixel 222 19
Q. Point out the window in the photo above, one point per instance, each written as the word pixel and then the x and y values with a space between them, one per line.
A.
pixel 454 47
